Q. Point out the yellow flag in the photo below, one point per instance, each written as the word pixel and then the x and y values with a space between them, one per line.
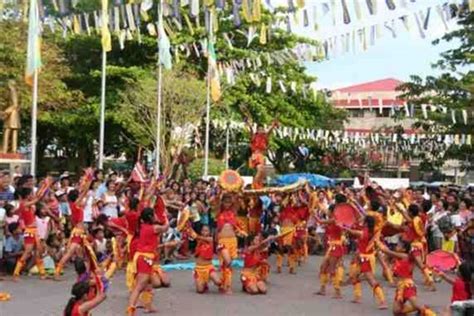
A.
pixel 106 38
pixel 263 34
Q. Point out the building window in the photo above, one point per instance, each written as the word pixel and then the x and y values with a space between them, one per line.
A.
pixel 385 112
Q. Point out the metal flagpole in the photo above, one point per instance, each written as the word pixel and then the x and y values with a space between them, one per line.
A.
pixel 34 115
pixel 208 110
pixel 158 105
pixel 227 136
pixel 102 111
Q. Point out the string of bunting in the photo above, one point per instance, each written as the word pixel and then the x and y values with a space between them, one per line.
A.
pixel 364 140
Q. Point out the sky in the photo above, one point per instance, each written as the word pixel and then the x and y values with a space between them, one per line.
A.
pixel 389 57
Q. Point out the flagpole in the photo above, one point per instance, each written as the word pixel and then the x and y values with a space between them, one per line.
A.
pixel 102 111
pixel 158 101
pixel 34 115
pixel 227 136
pixel 208 110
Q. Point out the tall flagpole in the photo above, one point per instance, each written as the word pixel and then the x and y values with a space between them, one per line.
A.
pixel 227 137
pixel 102 111
pixel 158 105
pixel 208 110
pixel 34 115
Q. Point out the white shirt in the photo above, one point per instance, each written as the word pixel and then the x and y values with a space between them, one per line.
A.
pixel 88 206
pixel 110 207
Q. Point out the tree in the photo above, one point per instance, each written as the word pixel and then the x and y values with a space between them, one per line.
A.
pixel 453 89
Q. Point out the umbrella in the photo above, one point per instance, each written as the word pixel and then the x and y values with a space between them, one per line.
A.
pixel 315 180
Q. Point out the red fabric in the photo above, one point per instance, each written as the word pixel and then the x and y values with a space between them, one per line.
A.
pixel 139 173
pixel 133 248
pixel 77 213
pixel 147 239
pixel 289 213
pixel 408 293
pixel 77 240
pixel 251 259
pixel 441 260
pixel 345 214
pixel 27 215
pixel 303 213
pixel 144 265
pixel 259 142
pixel 461 291
pixel 226 217
pixel 132 218
pixel 337 251
pixel 256 211
pixel 204 250
pixel 160 210
pixel 333 232
pixel 365 244
pixel 29 240
pixel 403 268
pixel 365 265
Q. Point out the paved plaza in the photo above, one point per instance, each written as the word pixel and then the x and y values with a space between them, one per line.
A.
pixel 288 295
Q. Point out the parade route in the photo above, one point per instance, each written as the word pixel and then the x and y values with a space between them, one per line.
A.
pixel 288 295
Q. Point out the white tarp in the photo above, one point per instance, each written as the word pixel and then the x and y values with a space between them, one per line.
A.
pixel 386 183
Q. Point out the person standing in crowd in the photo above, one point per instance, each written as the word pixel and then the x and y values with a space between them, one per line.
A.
pixel 109 200
pixel 14 247
pixel 7 192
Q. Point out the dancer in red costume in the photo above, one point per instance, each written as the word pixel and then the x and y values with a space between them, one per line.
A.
pixel 26 212
pixel 406 300
pixel 80 304
pixel 251 279
pixel 145 256
pixel 78 236
pixel 364 263
pixel 259 144
pixel 227 228
pixel 204 270
pixel 288 219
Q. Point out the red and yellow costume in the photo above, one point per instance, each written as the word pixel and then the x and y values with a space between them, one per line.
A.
pixel 301 234
pixel 249 275
pixel 415 235
pixel 184 224
pixel 202 272
pixel 364 262
pixel 255 212
pixel 258 145
pixel 288 221
pixel 228 243
pixel 28 220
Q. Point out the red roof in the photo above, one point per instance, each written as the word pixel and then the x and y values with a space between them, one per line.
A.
pixel 366 103
pixel 389 84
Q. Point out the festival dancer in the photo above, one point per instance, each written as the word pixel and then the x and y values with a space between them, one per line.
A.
pixel 364 263
pixel 375 211
pixel 227 227
pixel 78 236
pixel 250 277
pixel 79 304
pixel 204 270
pixel 145 256
pixel 331 267
pixel 301 234
pixel 461 284
pixel 254 214
pixel 26 212
pixel 406 300
pixel 288 219
pixel 259 145
pixel 415 235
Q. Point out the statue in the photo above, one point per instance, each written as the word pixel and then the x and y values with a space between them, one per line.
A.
pixel 11 120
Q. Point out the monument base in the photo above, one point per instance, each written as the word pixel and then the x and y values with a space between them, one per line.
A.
pixel 9 161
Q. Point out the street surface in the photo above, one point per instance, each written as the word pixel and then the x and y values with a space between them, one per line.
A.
pixel 288 295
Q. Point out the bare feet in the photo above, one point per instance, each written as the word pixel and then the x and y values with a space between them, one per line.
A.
pixel 383 306
pixel 150 310
pixel 356 301
pixel 320 292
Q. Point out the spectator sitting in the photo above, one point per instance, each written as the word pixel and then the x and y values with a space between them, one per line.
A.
pixel 13 247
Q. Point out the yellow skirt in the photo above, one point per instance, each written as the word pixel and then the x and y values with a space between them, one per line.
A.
pixel 203 272
pixel 288 236
pixel 229 243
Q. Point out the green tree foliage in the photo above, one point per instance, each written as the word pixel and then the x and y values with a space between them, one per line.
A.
pixel 453 88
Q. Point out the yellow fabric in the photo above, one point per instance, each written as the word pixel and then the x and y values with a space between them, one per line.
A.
pixel 77 232
pixel 323 279
pixel 379 295
pixel 226 278
pixel 354 270
pixel 248 276
pixel 279 261
pixel 287 235
pixel 427 312
pixel 130 276
pixel 246 11
pixel 263 270
pixel 448 245
pixel 243 224
pixel 427 276
pixel 263 34
pixel 401 286
pixel 229 243
pixel 357 290
pixel 254 223
pixel 257 13
pixel 4 296
pixel 202 272
pixel 111 270
pixel 379 221
pixel 146 297
pixel 418 226
pixel 396 218
pixel 292 262
pixel 19 266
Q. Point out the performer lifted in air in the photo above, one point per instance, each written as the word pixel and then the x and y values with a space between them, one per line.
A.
pixel 258 145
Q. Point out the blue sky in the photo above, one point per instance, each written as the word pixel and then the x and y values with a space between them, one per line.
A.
pixel 389 57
